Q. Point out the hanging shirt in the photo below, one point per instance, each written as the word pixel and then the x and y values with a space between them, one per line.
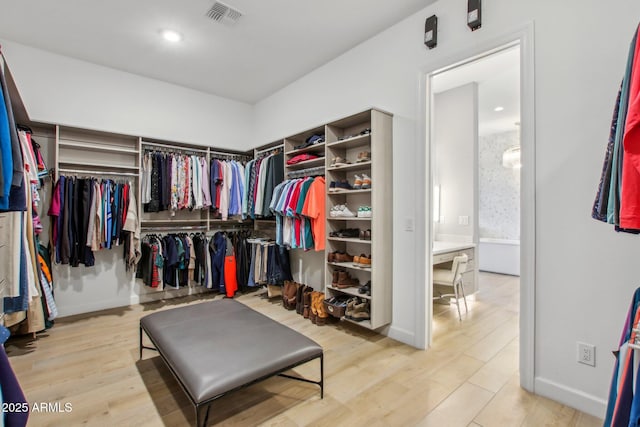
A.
pixel 314 208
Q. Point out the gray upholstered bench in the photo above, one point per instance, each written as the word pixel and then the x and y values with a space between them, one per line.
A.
pixel 217 347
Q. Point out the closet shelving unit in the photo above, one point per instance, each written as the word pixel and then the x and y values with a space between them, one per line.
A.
pixel 290 150
pixel 91 153
pixel 369 131
pixel 182 217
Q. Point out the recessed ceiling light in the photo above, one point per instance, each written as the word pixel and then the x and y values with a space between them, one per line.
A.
pixel 498 109
pixel 171 36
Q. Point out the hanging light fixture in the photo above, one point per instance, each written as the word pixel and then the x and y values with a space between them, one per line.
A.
pixel 511 158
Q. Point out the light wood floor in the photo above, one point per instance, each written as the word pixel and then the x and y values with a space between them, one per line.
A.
pixel 468 378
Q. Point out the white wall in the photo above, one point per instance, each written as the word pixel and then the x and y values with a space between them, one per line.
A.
pixel 580 54
pixel 66 91
pixel 455 121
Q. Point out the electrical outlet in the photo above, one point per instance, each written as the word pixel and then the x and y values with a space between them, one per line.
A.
pixel 586 353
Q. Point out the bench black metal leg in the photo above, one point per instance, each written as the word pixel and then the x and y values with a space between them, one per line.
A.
pixel 322 376
pixel 199 421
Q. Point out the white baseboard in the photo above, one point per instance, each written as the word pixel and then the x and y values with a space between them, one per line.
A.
pixel 402 335
pixel 577 399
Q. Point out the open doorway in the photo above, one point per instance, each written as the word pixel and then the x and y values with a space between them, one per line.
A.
pixel 475 182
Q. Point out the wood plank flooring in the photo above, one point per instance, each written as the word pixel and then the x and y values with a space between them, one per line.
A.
pixel 468 378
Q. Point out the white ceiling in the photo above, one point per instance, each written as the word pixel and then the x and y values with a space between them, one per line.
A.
pixel 274 43
pixel 498 78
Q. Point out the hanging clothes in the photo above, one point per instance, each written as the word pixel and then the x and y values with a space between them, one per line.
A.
pixel 88 215
pixel 299 206
pixel 617 200
pixel 262 175
pixel 623 407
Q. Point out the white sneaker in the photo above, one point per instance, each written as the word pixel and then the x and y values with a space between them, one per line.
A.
pixel 336 211
pixel 346 213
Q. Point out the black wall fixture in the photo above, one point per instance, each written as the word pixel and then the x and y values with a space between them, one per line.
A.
pixel 474 14
pixel 431 32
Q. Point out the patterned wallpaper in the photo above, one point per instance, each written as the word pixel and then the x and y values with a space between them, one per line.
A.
pixel 499 198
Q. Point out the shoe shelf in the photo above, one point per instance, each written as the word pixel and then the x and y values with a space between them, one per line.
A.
pixel 350 291
pixel 366 190
pixel 351 167
pixel 349 265
pixel 307 164
pixel 349 240
pixel 316 148
pixel 364 323
pixel 353 142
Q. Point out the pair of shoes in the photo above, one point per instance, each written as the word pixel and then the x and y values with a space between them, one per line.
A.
pixel 362 182
pixel 343 279
pixel 346 233
pixel 340 185
pixel 342 257
pixel 364 211
pixel 362 261
pixel 365 234
pixel 358 309
pixel 341 211
pixel 339 256
pixel 365 289
pixel 336 276
pixel 339 161
pixel 363 156
pixel 366 131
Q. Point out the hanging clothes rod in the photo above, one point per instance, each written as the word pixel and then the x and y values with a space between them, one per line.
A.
pixel 173 228
pixel 94 172
pixel 173 148
pixel 316 171
pixel 222 153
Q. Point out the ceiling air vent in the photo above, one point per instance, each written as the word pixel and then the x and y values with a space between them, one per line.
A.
pixel 220 12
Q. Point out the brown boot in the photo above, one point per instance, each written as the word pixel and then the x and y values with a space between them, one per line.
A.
pixel 289 295
pixel 322 313
pixel 307 302
pixel 313 315
pixel 336 275
pixel 346 281
pixel 299 301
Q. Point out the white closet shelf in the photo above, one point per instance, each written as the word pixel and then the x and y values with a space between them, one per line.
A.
pixel 367 190
pixel 95 147
pixel 353 142
pixel 350 291
pixel 349 219
pixel 349 240
pixel 349 265
pixel 98 165
pixel 353 166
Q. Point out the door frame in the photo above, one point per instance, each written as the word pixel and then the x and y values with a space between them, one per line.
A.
pixel 523 36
